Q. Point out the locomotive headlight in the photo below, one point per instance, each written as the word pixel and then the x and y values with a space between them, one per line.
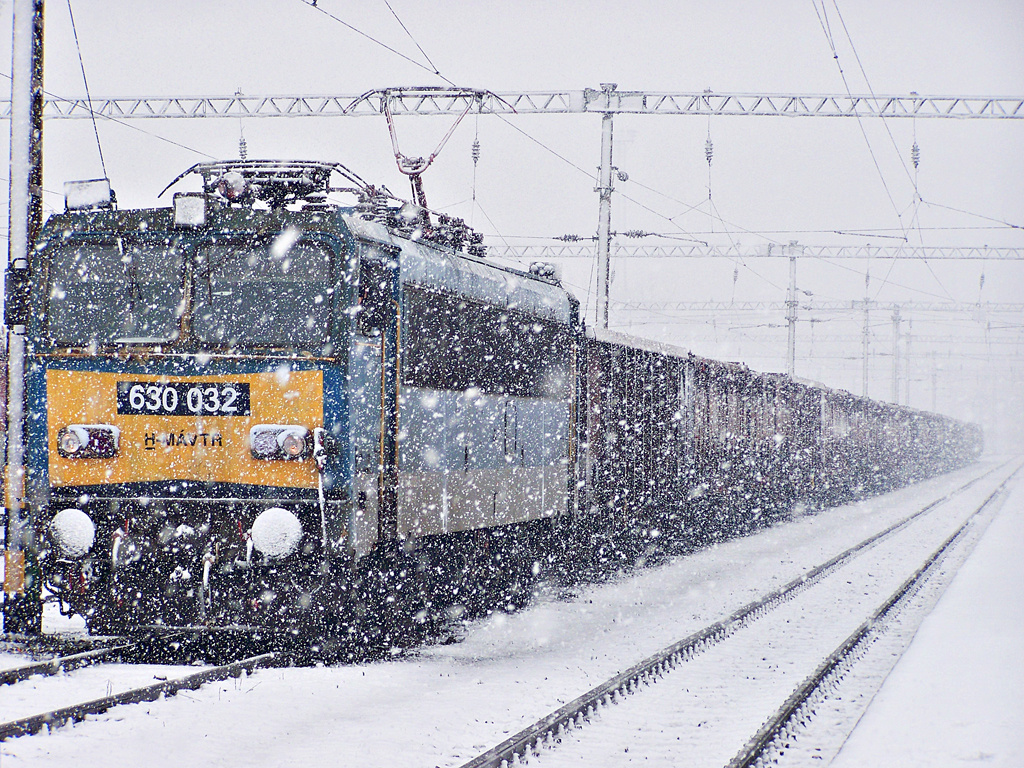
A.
pixel 71 442
pixel 263 443
pixel 279 441
pixel 276 533
pixel 88 441
pixel 73 532
pixel 293 442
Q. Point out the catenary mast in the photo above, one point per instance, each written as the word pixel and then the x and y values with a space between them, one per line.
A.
pixel 22 607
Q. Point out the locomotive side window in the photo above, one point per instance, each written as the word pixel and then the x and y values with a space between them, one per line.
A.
pixel 452 342
pixel 257 294
pixel 374 281
pixel 114 291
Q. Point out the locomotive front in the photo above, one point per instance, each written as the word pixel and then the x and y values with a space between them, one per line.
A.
pixel 187 411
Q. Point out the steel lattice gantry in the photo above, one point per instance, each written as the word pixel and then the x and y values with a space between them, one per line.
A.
pixel 607 102
pixel 986 307
pixel 441 101
pixel 770 250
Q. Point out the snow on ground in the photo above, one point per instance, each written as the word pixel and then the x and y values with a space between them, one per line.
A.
pixel 12 660
pixel 56 623
pixel 45 693
pixel 956 697
pixel 446 703
pixel 704 711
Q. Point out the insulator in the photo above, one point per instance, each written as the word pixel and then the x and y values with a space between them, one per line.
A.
pixel 709 149
pixel 915 155
pixel 373 205
pixel 476 246
pixel 459 234
pixel 476 151
pixel 981 281
pixel 242 148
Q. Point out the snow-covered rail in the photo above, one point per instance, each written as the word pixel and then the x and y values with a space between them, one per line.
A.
pixel 659 664
pixel 59 664
pixel 775 736
pixel 76 712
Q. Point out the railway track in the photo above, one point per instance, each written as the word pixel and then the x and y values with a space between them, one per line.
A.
pixel 777 733
pixel 58 664
pixel 56 717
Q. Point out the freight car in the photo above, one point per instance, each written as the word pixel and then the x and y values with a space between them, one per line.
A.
pixel 263 409
pixel 681 451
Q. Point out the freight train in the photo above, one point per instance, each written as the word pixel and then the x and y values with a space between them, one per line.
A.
pixel 261 408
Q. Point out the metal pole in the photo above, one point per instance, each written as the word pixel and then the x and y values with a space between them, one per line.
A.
pixel 866 346
pixel 604 223
pixel 906 359
pixel 22 610
pixel 896 355
pixel 791 312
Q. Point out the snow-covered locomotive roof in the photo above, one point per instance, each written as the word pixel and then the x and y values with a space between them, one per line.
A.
pixel 433 266
pixel 432 246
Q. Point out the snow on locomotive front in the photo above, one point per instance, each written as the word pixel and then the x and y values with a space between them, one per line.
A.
pixel 185 451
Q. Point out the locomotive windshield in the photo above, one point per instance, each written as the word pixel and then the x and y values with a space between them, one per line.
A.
pixel 250 294
pixel 263 294
pixel 114 291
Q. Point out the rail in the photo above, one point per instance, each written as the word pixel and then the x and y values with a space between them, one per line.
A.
pixel 60 664
pixel 655 666
pixel 77 712
pixel 776 729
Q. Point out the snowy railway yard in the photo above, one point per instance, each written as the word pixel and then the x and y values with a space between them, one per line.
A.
pixel 948 700
pixel 303 471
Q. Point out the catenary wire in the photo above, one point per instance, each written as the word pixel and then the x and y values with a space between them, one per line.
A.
pixel 313 4
pixel 871 90
pixel 826 28
pixel 126 124
pixel 88 96
pixel 402 24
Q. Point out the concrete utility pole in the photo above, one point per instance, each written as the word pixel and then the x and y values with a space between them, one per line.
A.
pixel 866 343
pixel 22 606
pixel 896 355
pixel 866 351
pixel 906 359
pixel 791 312
pixel 604 222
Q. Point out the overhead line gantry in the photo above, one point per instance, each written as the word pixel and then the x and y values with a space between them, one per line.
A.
pixel 447 101
pixel 767 251
pixel 607 101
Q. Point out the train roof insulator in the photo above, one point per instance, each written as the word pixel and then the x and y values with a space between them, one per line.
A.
pixel 544 269
pixel 305 185
pixel 89 195
pixel 411 214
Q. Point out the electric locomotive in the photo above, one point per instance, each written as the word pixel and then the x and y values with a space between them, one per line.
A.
pixel 247 405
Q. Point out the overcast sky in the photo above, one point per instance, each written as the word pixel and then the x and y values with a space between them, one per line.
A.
pixel 772 180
